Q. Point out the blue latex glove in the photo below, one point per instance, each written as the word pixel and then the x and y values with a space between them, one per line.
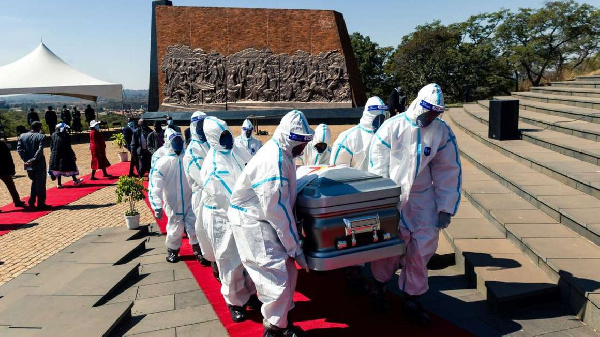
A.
pixel 443 220
pixel 158 213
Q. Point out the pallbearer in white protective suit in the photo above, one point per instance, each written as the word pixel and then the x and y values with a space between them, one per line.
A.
pixel 419 152
pixel 247 144
pixel 220 172
pixel 169 190
pixel 318 152
pixel 264 226
pixel 192 161
pixel 352 146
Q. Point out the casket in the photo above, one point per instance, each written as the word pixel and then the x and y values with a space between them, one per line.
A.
pixel 348 217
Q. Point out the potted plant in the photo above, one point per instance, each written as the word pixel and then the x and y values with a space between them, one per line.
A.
pixel 131 190
pixel 119 141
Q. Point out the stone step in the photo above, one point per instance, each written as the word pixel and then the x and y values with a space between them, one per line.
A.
pixel 563 203
pixel 568 145
pixel 567 91
pixel 578 101
pixel 530 112
pixel 570 171
pixel 504 191
pixel 593 78
pixel 578 84
pixel 506 278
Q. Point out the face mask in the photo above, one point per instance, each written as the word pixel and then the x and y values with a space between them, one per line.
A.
pixel 298 149
pixel 377 122
pixel 170 122
pixel 177 145
pixel 97 127
pixel 427 118
pixel 130 124
pixel 226 140
pixel 200 130
pixel 321 147
pixel 248 132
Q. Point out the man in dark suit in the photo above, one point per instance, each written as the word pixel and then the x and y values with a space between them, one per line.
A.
pixel 31 149
pixel 51 119
pixel 397 102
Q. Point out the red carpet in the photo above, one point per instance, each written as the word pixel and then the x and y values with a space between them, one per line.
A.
pixel 12 217
pixel 324 307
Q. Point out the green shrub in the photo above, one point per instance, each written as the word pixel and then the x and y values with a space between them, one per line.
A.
pixel 130 190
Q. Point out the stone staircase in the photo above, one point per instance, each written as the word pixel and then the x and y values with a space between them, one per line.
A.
pixel 528 229
pixel 68 293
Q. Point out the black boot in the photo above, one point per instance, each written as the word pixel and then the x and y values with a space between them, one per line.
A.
pixel 198 252
pixel 413 310
pixel 293 331
pixel 215 270
pixel 238 314
pixel 254 303
pixel 172 255
pixel 377 294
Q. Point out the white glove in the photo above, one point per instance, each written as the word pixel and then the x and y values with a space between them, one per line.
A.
pixel 301 260
pixel 443 220
pixel 158 213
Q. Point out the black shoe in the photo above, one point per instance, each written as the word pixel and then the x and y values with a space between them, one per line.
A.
pixel 19 204
pixel 215 270
pixel 172 256
pixel 238 314
pixel 204 262
pixel 377 296
pixel 293 331
pixel 254 303
pixel 272 331
pixel 413 310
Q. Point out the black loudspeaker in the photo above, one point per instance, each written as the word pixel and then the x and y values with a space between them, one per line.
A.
pixel 504 120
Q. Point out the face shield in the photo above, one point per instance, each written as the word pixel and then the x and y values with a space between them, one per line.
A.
pixel 169 122
pixel 130 124
pixel 226 140
pixel 377 122
pixel 321 147
pixel 426 118
pixel 299 149
pixel 176 143
pixel 200 129
pixel 247 132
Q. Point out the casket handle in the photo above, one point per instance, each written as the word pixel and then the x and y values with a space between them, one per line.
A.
pixel 363 224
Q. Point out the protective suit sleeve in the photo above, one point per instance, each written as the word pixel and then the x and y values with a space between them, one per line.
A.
pixel 192 166
pixel 379 151
pixel 446 173
pixel 274 196
pixel 341 152
pixel 156 186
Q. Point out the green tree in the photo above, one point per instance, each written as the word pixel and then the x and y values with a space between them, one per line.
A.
pixel 371 58
pixel 562 34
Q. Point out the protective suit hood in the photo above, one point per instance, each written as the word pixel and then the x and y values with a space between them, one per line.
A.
pixel 213 128
pixel 430 98
pixel 169 134
pixel 322 135
pixel 292 131
pixel 373 108
pixel 247 125
pixel 196 117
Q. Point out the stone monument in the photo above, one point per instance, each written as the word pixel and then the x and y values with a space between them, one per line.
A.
pixel 236 58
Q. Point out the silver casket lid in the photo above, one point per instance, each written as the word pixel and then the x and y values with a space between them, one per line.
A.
pixel 343 186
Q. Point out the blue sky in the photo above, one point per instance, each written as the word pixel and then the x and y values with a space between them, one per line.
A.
pixel 110 39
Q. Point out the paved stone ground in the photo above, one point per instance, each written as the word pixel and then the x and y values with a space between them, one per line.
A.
pixel 27 246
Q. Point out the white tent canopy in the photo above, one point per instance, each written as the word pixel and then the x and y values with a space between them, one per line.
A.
pixel 42 72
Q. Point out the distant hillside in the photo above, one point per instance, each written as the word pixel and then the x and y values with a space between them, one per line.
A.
pixel 128 94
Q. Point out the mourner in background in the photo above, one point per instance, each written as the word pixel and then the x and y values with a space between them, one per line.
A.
pixel 261 213
pixel 32 116
pixel 139 146
pixel 30 147
pixel 98 149
pixel 128 132
pixel 7 171
pixel 219 175
pixel 63 161
pixel 51 119
pixel 397 102
pixel 193 161
pixel 156 137
pixel 247 144
pixel 170 191
pixel 352 146
pixel 430 179
pixel 318 152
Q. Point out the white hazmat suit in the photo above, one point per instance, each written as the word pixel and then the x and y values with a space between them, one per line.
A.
pixel 424 161
pixel 248 146
pixel 219 174
pixel 262 216
pixel 311 156
pixel 193 160
pixel 170 191
pixel 352 146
